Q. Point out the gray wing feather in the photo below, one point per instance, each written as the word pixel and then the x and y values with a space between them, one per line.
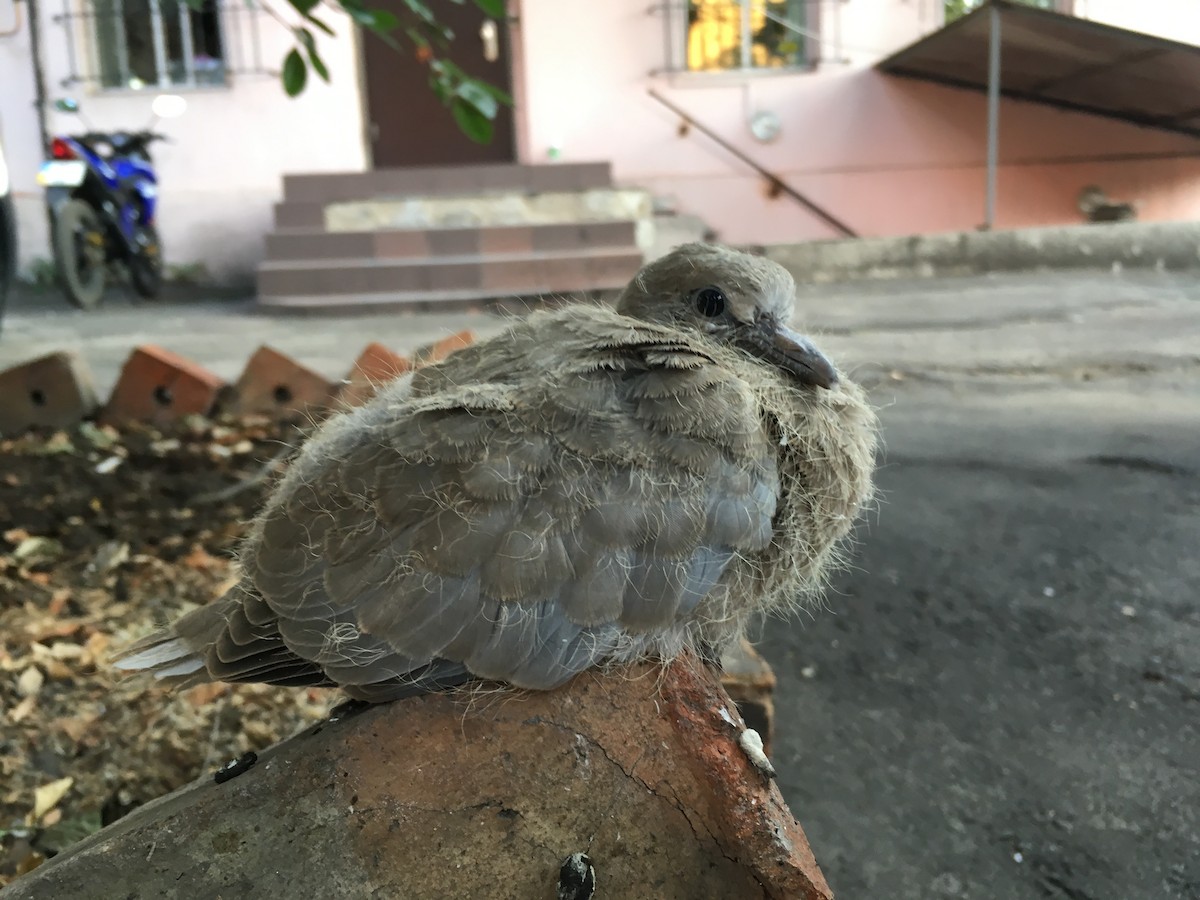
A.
pixel 595 595
pixel 515 531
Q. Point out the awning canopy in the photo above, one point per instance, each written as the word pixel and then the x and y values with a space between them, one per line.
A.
pixel 1064 61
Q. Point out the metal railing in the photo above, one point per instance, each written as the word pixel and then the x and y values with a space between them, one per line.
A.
pixel 775 184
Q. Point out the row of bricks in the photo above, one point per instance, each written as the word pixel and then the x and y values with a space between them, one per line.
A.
pixel 159 387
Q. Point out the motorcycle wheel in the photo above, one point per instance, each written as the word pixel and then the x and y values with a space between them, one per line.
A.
pixel 145 269
pixel 79 253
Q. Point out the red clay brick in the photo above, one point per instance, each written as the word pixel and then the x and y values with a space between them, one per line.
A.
pixel 161 387
pixel 54 391
pixel 275 385
pixel 375 366
pixel 439 350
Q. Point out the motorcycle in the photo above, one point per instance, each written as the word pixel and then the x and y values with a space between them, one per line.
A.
pixel 102 191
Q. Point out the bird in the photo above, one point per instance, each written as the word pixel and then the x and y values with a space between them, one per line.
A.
pixel 600 484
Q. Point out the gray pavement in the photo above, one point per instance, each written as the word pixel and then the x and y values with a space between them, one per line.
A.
pixel 1058 324
pixel 1001 698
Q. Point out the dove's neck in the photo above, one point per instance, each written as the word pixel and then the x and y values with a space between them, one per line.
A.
pixel 825 442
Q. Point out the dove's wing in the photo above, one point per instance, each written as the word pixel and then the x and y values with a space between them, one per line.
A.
pixel 519 529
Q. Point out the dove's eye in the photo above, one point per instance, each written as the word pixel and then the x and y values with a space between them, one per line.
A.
pixel 710 302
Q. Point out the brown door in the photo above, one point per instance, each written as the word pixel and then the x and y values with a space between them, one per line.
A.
pixel 408 125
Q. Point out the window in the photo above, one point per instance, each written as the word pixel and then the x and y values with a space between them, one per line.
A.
pixel 145 43
pixel 741 35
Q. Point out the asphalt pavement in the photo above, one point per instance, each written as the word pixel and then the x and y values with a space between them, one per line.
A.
pixel 1001 696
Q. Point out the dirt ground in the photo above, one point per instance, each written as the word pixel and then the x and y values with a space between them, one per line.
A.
pixel 106 535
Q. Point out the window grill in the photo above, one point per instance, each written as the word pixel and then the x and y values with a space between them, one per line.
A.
pixel 739 35
pixel 165 44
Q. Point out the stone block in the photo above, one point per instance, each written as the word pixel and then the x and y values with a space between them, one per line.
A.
pixel 275 385
pixel 159 387
pixel 54 391
pixel 439 350
pixel 473 795
pixel 375 366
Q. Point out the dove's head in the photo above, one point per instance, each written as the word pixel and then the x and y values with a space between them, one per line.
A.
pixel 732 297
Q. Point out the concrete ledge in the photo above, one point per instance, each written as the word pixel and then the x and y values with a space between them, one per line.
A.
pixel 1167 246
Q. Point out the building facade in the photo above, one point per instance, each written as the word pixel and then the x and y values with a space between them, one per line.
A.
pixel 712 105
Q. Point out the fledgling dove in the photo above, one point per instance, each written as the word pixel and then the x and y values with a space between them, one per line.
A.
pixel 594 485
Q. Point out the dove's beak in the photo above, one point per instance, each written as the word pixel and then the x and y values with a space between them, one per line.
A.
pixel 776 343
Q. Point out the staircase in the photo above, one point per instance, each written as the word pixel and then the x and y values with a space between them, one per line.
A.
pixel 430 237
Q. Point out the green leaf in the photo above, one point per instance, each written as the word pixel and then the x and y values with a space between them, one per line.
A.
pixel 379 21
pixel 440 89
pixel 494 8
pixel 451 71
pixel 501 95
pixel 421 11
pixel 473 93
pixel 471 121
pixel 318 64
pixel 359 13
pixel 304 7
pixel 384 21
pixel 418 39
pixel 295 73
pixel 325 28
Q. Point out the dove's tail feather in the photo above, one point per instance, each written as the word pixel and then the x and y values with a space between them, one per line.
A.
pixel 166 656
pixel 234 639
pixel 169 654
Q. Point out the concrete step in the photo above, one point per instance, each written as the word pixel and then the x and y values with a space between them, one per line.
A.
pixel 466 211
pixel 335 187
pixel 312 243
pixel 419 279
pixel 299 216
pixel 505 208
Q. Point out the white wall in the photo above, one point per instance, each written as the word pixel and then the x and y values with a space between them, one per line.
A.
pixel 1178 20
pixel 18 122
pixel 222 173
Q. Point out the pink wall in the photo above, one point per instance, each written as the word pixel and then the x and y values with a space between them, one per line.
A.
pixel 888 156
